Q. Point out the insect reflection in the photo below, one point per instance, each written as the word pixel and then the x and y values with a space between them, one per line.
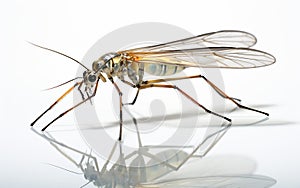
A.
pixel 142 168
pixel 223 49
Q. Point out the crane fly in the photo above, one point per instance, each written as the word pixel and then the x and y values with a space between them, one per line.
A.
pixel 223 49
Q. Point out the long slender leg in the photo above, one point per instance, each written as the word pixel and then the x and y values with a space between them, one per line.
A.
pixel 164 80
pixel 186 95
pixel 56 143
pixel 221 131
pixel 79 89
pixel 136 126
pixel 120 106
pixel 183 78
pixel 141 76
pixel 134 100
pixel 140 80
pixel 104 167
pixel 218 90
pixel 87 94
pixel 128 83
pixel 137 92
pixel 64 113
pixel 59 99
pixel 217 139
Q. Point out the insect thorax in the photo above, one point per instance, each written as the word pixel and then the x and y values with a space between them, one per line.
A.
pixel 108 63
pixel 114 64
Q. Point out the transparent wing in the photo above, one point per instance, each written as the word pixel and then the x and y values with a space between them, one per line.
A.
pixel 232 181
pixel 213 57
pixel 218 165
pixel 225 38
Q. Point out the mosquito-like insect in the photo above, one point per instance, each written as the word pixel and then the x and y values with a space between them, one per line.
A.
pixel 223 49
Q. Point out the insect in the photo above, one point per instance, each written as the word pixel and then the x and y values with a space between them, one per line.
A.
pixel 145 169
pixel 223 49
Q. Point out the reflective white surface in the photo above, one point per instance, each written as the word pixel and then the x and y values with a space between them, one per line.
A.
pixel 142 168
pixel 73 27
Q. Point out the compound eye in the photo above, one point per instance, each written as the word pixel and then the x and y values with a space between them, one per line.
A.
pixel 92 78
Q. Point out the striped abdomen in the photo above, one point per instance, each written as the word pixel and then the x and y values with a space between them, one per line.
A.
pixel 162 69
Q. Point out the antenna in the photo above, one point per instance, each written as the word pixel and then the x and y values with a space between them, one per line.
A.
pixel 62 84
pixel 78 173
pixel 59 54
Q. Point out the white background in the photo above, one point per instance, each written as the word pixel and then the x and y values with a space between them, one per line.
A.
pixel 72 27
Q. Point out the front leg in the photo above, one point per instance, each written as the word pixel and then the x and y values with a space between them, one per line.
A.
pixel 120 106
